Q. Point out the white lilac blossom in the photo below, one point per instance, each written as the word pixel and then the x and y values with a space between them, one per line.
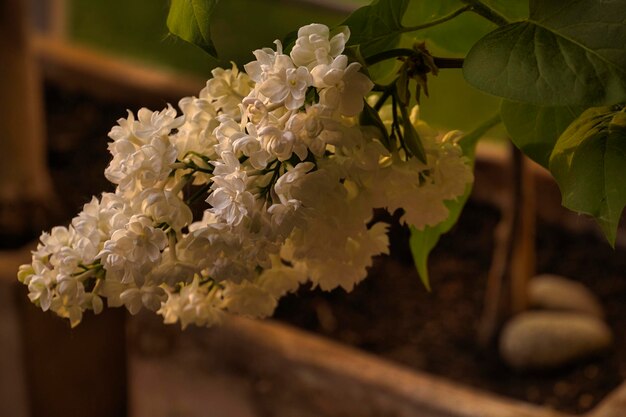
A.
pixel 288 178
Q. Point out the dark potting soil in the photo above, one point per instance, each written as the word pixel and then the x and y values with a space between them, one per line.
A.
pixel 390 313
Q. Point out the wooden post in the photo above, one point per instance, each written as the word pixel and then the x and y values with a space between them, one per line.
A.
pixel 513 260
pixel 74 372
pixel 26 196
pixel 69 372
pixel 522 266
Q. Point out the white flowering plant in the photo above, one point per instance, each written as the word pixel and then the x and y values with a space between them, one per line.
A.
pixel 269 177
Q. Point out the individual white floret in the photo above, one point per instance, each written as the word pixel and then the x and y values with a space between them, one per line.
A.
pixel 281 144
pixel 96 222
pixel 342 86
pixel 148 296
pixel 290 183
pixel 132 251
pixel 195 303
pixel 155 123
pixel 195 135
pixel 313 127
pixel 226 89
pixel 40 281
pixel 163 207
pixel 140 167
pixel 268 63
pixel 287 86
pixel 248 143
pixel 313 46
pixel 230 199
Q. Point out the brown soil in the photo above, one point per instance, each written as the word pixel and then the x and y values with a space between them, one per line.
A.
pixel 391 313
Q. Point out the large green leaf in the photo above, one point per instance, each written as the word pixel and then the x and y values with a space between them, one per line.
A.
pixel 535 129
pixel 589 164
pixel 378 26
pixel 567 53
pixel 190 21
pixel 423 241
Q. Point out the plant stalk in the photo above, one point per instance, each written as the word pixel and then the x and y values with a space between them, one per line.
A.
pixel 487 12
pixel 406 52
pixel 445 63
pixel 439 21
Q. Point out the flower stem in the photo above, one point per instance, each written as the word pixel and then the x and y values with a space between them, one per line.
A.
pixel 389 54
pixel 201 192
pixel 487 12
pixel 406 52
pixel 442 63
pixel 438 21
pixel 181 184
pixel 171 241
pixel 97 285
pixel 383 98
pixel 468 141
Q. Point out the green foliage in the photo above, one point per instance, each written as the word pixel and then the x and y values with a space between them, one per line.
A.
pixel 378 26
pixel 566 57
pixel 535 129
pixel 190 21
pixel 370 117
pixel 423 241
pixel 411 138
pixel 567 53
pixel 457 36
pixel 589 163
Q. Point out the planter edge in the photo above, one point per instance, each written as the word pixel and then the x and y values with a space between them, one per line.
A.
pixel 311 359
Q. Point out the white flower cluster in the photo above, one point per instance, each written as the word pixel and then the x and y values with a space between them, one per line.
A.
pixel 290 179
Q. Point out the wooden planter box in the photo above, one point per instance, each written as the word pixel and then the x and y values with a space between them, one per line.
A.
pixel 293 373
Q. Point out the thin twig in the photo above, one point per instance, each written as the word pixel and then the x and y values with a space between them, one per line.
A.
pixel 437 21
pixel 444 63
pixel 487 12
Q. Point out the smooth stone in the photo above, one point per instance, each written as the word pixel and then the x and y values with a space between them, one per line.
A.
pixel 537 340
pixel 554 292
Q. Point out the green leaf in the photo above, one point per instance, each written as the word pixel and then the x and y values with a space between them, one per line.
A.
pixel 370 117
pixel 411 138
pixel 423 241
pixel 354 55
pixel 567 53
pixel 378 26
pixel 190 21
pixel 289 40
pixel 589 164
pixel 535 129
